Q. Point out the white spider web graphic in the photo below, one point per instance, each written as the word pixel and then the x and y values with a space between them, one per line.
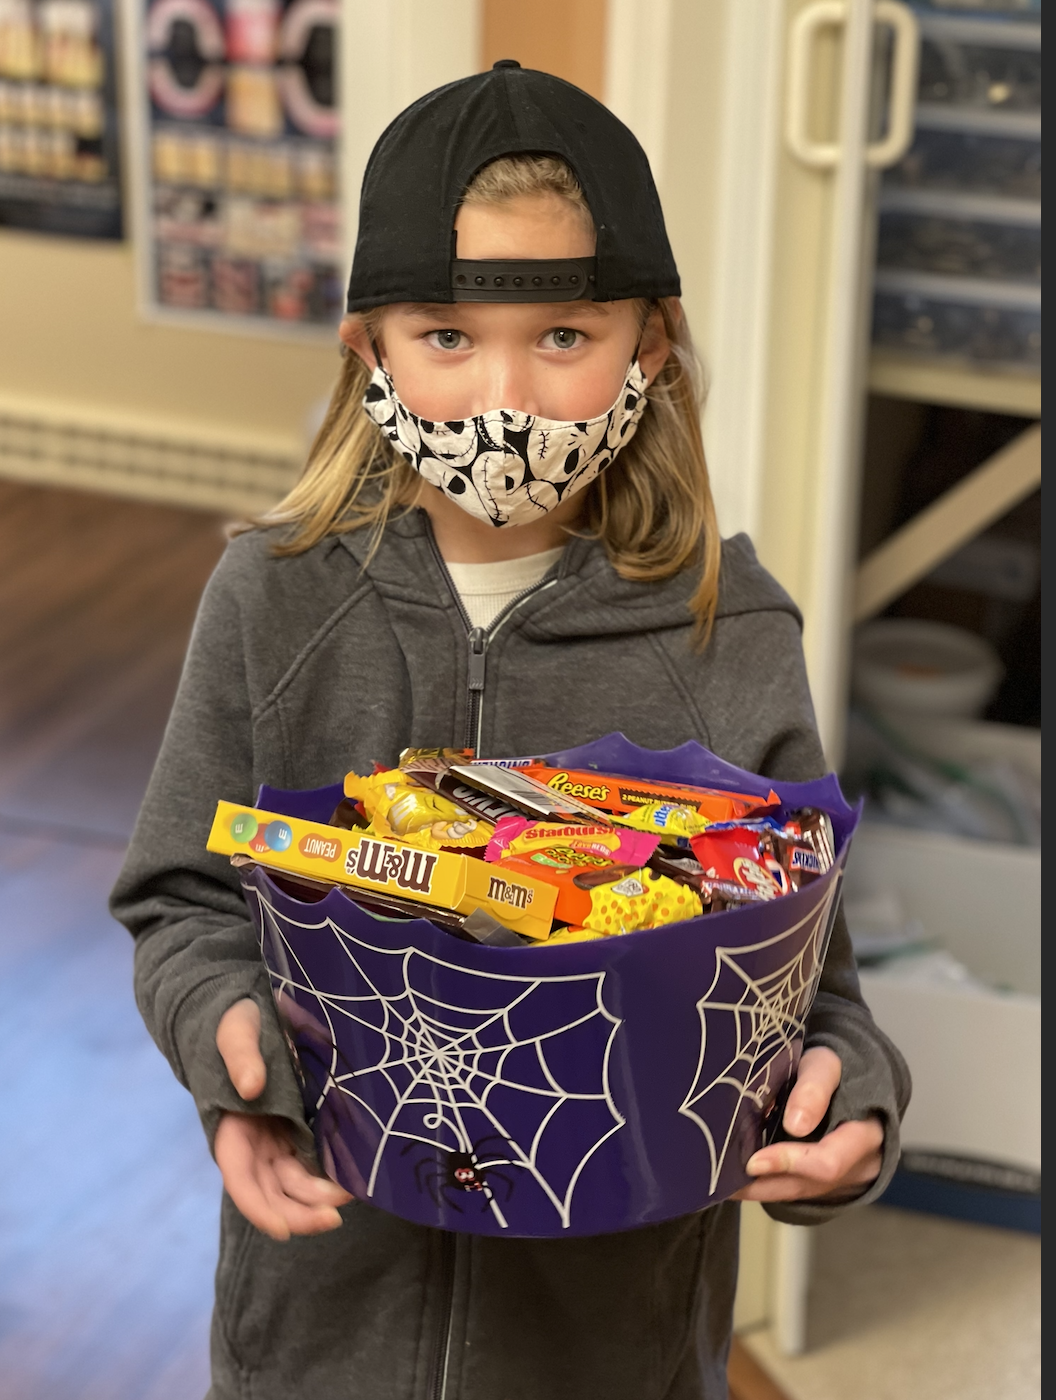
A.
pixel 442 1059
pixel 769 1014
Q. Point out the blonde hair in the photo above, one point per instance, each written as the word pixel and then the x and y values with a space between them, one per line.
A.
pixel 652 509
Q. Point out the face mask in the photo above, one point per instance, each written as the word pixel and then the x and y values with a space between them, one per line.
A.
pixel 503 466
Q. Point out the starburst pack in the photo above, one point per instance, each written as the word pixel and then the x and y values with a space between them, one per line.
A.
pixel 465 1071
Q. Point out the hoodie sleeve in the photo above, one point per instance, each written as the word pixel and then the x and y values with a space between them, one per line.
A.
pixel 775 734
pixel 196 950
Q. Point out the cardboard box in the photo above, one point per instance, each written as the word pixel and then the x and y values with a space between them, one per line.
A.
pixel 355 858
pixel 974 1051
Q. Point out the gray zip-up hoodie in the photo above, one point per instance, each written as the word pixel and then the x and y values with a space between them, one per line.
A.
pixel 302 668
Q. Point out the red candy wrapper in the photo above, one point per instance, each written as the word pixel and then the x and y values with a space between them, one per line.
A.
pixel 739 855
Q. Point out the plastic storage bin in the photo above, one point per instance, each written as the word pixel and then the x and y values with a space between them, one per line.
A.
pixel 548 1092
pixel 982 63
pixel 958 319
pixel 975 162
pixel 960 236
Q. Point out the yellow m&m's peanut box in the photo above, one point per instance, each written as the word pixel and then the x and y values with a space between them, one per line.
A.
pixel 358 859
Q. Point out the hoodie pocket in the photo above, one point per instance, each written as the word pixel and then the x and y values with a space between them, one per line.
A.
pixel 239 1242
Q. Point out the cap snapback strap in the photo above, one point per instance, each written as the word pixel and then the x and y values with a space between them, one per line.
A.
pixel 523 279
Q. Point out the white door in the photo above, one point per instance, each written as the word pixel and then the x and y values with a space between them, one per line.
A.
pixel 757 116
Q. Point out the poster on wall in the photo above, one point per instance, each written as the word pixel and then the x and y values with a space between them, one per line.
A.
pixel 240 205
pixel 59 168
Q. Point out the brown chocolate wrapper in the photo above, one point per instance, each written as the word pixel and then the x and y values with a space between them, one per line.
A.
pixel 525 795
pixel 718 895
pixel 348 816
pixel 433 771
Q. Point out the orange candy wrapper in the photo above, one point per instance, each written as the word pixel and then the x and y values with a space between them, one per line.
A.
pixel 611 793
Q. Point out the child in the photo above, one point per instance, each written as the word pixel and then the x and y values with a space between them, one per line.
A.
pixel 516 342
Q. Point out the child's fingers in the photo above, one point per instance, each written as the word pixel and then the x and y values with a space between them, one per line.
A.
pixel 238 1040
pixel 267 1183
pixel 302 1185
pixel 816 1081
pixel 845 1160
pixel 296 1218
pixel 239 1155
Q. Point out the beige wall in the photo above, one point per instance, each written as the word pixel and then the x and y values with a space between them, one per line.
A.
pixel 71 336
pixel 73 343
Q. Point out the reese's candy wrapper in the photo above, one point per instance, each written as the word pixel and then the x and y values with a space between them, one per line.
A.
pixel 519 836
pixel 612 793
pixel 742 857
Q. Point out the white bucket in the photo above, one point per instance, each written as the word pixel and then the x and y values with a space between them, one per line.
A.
pixel 926 668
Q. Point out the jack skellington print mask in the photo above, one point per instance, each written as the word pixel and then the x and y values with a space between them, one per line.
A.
pixel 503 466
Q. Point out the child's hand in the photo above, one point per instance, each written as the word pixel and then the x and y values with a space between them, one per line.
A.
pixel 839 1167
pixel 262 1173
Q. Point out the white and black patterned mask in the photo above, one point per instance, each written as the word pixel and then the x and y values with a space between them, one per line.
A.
pixel 503 466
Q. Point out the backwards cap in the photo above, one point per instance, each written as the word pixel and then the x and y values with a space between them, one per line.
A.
pixel 423 162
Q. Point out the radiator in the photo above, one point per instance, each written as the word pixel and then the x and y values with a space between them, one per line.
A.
pixel 145 460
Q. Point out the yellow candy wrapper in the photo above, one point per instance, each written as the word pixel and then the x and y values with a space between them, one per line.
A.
pixel 570 935
pixel 397 807
pixel 638 901
pixel 674 824
pixel 365 860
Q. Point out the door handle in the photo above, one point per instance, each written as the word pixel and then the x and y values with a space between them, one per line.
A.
pixel 902 102
pixel 905 59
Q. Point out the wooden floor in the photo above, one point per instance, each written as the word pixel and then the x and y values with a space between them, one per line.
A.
pixel 108 1198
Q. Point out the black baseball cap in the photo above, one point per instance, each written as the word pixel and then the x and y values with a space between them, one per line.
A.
pixel 425 159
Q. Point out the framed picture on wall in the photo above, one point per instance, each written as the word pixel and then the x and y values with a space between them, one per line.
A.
pixel 237 128
pixel 59 156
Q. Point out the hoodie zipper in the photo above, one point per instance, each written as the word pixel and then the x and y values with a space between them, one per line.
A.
pixel 442 1355
pixel 479 639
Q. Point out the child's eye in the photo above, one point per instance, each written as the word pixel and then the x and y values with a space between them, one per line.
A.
pixel 446 340
pixel 561 338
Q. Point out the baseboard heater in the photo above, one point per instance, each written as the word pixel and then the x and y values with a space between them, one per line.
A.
pixel 143 461
pixel 967 1188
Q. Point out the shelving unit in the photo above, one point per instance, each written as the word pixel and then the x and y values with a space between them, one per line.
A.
pixel 958 294
pixel 956 385
pixel 960 215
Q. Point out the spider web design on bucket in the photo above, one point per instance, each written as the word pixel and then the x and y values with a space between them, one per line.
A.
pixel 508 1073
pixel 769 1015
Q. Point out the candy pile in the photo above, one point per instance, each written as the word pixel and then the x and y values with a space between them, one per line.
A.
pixel 521 852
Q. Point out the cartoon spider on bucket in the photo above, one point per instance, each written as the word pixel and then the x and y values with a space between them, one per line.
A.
pixel 441 1172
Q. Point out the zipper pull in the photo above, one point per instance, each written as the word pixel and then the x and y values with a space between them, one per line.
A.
pixel 478 646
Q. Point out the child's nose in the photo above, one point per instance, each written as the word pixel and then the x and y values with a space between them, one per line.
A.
pixel 507 383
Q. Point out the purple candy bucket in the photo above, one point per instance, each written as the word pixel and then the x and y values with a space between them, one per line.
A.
pixel 547 1092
